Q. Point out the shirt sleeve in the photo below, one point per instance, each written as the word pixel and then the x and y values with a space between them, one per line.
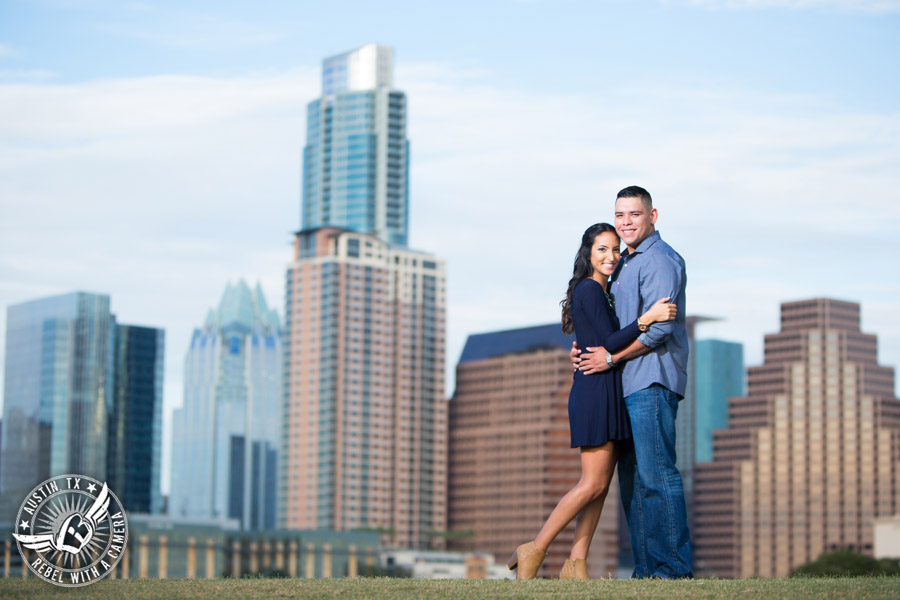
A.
pixel 597 308
pixel 661 278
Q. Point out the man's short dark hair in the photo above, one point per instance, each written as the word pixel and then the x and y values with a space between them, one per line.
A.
pixel 636 191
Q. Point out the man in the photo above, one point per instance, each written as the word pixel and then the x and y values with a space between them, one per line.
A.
pixel 653 380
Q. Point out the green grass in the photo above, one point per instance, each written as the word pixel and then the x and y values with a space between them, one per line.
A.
pixel 867 588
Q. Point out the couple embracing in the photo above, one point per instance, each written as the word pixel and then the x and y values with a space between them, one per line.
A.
pixel 624 398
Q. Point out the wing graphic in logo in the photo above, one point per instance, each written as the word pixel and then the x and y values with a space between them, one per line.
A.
pixel 97 511
pixel 41 542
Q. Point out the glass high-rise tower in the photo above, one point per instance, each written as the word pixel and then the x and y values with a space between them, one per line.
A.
pixel 58 390
pixel 82 394
pixel 718 376
pixel 356 158
pixel 715 373
pixel 135 422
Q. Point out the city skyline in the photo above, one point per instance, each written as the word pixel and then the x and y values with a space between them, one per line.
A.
pixel 767 135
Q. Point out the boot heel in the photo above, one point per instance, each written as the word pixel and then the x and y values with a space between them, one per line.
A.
pixel 513 561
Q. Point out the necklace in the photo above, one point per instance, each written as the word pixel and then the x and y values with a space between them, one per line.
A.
pixel 610 300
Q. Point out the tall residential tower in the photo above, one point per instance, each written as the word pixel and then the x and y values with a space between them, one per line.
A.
pixel 365 414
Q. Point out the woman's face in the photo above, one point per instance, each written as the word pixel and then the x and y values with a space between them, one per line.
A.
pixel 605 253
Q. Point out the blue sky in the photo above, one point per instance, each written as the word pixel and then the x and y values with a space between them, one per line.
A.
pixel 151 151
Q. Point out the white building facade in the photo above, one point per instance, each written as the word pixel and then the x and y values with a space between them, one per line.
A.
pixel 226 435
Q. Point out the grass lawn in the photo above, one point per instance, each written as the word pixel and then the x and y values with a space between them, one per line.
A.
pixel 453 589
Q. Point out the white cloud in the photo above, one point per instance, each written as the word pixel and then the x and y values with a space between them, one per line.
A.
pixel 26 75
pixel 766 196
pixel 159 190
pixel 7 51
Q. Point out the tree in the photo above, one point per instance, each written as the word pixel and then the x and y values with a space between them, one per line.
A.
pixel 846 563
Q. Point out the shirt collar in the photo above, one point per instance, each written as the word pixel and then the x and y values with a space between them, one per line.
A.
pixel 645 245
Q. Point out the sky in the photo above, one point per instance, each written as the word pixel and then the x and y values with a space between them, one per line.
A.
pixel 152 151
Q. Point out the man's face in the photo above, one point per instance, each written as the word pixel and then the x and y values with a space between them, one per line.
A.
pixel 633 221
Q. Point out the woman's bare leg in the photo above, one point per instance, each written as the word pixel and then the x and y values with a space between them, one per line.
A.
pixel 597 466
pixel 587 519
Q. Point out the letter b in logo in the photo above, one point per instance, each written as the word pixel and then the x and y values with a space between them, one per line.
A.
pixel 75 534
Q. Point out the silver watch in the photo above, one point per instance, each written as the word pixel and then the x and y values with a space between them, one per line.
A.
pixel 609 361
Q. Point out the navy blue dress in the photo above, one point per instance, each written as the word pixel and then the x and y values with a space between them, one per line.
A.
pixel 596 404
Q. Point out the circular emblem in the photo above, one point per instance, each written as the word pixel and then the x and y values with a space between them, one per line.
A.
pixel 71 530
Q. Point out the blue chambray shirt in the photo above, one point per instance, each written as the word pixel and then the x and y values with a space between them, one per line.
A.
pixel 653 271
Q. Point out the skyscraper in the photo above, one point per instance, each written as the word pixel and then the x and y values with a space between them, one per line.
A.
pixel 58 389
pixel 510 457
pixel 718 375
pixel 686 423
pixel 365 419
pixel 227 434
pixel 811 455
pixel 77 387
pixel 715 373
pixel 365 413
pixel 135 421
pixel 356 158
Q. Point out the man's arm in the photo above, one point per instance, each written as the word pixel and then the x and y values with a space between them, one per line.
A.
pixel 663 279
pixel 593 360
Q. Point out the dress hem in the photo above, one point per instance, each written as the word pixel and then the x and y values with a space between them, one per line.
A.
pixel 606 441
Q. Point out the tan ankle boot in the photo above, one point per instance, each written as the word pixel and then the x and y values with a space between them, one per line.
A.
pixel 581 569
pixel 526 561
pixel 574 569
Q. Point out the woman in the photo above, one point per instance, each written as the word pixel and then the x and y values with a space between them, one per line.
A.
pixel 597 415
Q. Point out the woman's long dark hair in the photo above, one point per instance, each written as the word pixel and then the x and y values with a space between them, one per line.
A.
pixel 582 269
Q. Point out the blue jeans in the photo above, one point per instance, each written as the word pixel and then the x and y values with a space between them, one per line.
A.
pixel 651 487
